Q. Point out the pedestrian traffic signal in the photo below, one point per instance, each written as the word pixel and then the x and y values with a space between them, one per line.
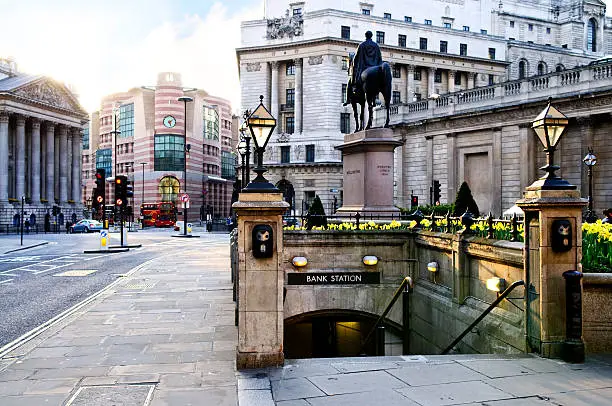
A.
pixel 414 201
pixel 436 192
pixel 129 189
pixel 100 189
pixel 120 190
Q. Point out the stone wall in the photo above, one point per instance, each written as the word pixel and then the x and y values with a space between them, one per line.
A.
pixel 597 324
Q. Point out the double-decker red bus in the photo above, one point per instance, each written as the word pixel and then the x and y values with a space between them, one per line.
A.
pixel 160 214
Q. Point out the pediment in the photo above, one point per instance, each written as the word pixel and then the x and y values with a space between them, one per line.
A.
pixel 47 91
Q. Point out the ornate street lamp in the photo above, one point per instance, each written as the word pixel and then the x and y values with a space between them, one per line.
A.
pixel 549 126
pixel 242 150
pixel 261 124
pixel 244 130
pixel 590 160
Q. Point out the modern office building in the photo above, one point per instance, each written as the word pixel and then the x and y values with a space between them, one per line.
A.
pixel 297 57
pixel 145 134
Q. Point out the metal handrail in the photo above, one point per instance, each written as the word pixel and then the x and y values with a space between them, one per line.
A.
pixel 493 305
pixel 406 282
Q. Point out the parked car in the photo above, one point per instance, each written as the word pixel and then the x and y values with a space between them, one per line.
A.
pixel 86 226
pixel 291 221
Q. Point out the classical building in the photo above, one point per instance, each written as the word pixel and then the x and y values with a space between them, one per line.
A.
pixel 297 57
pixel 141 134
pixel 41 125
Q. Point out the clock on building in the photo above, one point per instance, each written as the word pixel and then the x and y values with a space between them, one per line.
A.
pixel 169 121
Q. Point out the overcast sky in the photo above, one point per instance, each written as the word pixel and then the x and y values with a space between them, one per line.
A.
pixel 107 46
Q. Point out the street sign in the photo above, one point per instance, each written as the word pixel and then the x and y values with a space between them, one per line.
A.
pixel 185 197
pixel 104 240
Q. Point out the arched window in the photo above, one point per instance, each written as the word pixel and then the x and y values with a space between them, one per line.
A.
pixel 541 68
pixel 169 189
pixel 592 35
pixel 559 68
pixel 522 69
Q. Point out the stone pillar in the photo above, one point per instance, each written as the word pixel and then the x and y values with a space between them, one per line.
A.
pixel 35 195
pixel 4 157
pixel 496 189
pixel 409 83
pixel 587 141
pixel 429 169
pixel 50 163
pixel 430 81
pixel 298 95
pixel 274 89
pixel 527 155
pixel 451 80
pixel 76 165
pixel 471 78
pixel 63 164
pixel 20 170
pixel 260 283
pixel 451 164
pixel 56 164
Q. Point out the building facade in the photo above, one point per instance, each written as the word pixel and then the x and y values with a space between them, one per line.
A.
pixel 145 134
pixel 297 57
pixel 41 125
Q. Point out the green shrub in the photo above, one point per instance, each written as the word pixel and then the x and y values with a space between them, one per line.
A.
pixel 465 201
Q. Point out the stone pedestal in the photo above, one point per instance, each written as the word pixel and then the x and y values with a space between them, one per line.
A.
pixel 260 283
pixel 368 171
pixel 546 321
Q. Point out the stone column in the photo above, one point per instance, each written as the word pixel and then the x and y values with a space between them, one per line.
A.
pixel 429 170
pixel 451 80
pixel 56 165
pixel 35 195
pixel 430 81
pixel 471 77
pixel 527 155
pixel 451 164
pixel 20 170
pixel 76 165
pixel 260 282
pixel 63 164
pixel 274 94
pixel 4 157
pixel 298 95
pixel 496 176
pixel 50 163
pixel 409 83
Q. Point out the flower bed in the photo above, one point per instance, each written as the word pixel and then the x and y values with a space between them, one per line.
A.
pixel 597 247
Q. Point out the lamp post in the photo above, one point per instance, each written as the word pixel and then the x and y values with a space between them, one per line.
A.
pixel 115 132
pixel 261 124
pixel 549 126
pixel 143 182
pixel 242 150
pixel 185 100
pixel 247 139
pixel 590 160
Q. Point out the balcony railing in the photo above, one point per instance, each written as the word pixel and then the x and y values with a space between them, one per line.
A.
pixel 287 107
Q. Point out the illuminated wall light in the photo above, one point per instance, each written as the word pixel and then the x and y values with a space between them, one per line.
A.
pixel 299 261
pixel 370 260
pixel 496 284
pixel 432 266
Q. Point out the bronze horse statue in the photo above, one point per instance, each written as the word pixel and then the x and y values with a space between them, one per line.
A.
pixel 373 80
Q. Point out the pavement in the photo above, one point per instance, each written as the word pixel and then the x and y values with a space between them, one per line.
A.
pixel 164 334
pixel 12 243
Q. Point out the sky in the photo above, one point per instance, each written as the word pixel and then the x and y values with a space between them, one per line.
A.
pixel 103 47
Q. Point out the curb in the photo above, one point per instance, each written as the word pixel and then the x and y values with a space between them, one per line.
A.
pixel 28 247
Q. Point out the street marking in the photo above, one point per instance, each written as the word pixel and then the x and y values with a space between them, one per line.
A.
pixel 77 272
pixel 51 264
pixel 6 281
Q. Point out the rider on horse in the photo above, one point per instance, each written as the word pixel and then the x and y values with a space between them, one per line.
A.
pixel 367 55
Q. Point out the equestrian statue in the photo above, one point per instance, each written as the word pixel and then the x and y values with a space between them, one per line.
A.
pixel 368 76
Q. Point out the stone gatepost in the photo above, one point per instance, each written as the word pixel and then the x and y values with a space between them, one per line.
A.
pixel 367 161
pixel 260 279
pixel 553 245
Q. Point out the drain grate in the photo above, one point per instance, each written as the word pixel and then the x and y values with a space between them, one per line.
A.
pixel 139 285
pixel 112 395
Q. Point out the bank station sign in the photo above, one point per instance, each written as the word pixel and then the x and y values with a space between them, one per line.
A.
pixel 332 278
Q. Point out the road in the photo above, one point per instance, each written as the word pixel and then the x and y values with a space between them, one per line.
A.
pixel 39 283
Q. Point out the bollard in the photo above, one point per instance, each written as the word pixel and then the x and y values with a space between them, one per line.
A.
pixel 574 346
pixel 380 341
pixel 406 321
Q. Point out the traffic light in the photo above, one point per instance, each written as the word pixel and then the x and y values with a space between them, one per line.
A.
pixel 120 190
pixel 436 192
pixel 129 191
pixel 100 189
pixel 414 202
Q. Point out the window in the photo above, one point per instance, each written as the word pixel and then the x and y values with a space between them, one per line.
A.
pixel 285 151
pixel 297 11
pixel 104 160
pixel 344 88
pixel 169 153
pixel 427 22
pixel 511 24
pixel 485 32
pixel 397 71
pixel 310 153
pixel 401 40
pixel 210 123
pixel 396 98
pixel 463 49
pixel 365 11
pixel 530 27
pixel 444 46
pixel 168 189
pixel 491 80
pixel 407 19
pixel 86 138
pixel 491 53
pixel 345 63
pixel 422 43
pixel 380 37
pixel 290 69
pixel 417 96
pixel 126 120
pixel 438 76
pixel 458 78
pixel 448 25
pixel 345 32
pixel 548 30
pixel 592 35
pixel 541 68
pixel 228 163
pixel 559 68
pixel 417 74
pixel 387 16
pixel 466 28
pixel 345 123
pixel 290 125
pixel 522 69
pixel 290 97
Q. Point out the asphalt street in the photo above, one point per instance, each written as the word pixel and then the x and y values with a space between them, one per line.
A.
pixel 39 283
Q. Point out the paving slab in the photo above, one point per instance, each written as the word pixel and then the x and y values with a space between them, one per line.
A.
pixel 454 393
pixel 254 397
pixel 497 368
pixel 597 397
pixel 295 388
pixel 356 382
pixel 429 374
pixel 386 397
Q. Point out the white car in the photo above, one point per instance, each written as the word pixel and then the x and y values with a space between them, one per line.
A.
pixel 86 226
